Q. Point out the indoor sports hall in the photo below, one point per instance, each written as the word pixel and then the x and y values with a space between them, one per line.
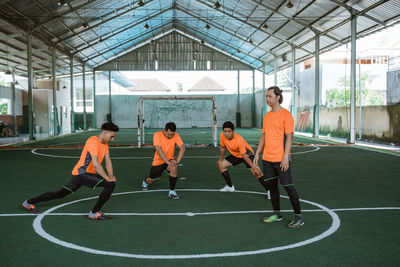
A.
pixel 68 67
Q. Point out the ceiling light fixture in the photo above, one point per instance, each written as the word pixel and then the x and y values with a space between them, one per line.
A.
pixel 62 3
pixel 289 4
pixel 202 42
pixel 141 3
pixel 207 27
pixel 64 87
pixel 265 26
pixel 85 25
pixel 217 5
pixel 147 26
pixel 250 41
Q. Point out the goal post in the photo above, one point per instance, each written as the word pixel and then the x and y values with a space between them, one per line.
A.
pixel 140 107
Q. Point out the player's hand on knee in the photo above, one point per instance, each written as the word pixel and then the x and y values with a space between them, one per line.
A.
pixel 218 163
pixel 255 160
pixel 257 172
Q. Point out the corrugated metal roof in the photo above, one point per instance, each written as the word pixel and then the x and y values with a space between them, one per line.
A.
pixel 255 32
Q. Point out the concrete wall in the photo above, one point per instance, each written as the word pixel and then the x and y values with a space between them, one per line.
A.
pixel 5 92
pixel 393 87
pixel 381 123
pixel 197 113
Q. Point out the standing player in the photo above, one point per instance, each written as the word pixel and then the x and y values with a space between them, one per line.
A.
pixel 88 172
pixel 240 151
pixel 164 144
pixel 276 141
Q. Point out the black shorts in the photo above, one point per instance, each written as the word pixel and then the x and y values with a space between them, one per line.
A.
pixel 235 161
pixel 87 179
pixel 156 171
pixel 273 171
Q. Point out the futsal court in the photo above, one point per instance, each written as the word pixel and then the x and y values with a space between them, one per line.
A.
pixel 349 199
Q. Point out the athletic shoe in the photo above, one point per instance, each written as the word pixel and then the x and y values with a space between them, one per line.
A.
pixel 228 188
pixel 172 194
pixel 145 186
pixel 296 223
pixel 272 218
pixel 30 207
pixel 98 216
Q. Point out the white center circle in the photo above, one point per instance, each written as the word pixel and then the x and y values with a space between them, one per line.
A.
pixel 37 225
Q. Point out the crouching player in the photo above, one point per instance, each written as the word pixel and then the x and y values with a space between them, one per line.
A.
pixel 164 144
pixel 240 152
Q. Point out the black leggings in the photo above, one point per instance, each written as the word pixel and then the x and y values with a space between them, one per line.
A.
pixel 103 197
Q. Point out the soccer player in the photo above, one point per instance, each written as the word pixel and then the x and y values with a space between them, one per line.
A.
pixel 276 142
pixel 88 172
pixel 164 144
pixel 240 151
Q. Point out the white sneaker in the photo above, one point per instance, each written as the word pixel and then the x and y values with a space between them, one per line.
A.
pixel 228 188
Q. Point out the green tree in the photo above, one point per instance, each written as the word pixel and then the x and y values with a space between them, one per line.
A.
pixel 336 97
pixel 3 108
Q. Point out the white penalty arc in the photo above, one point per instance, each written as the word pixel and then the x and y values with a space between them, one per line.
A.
pixel 37 225
pixel 34 151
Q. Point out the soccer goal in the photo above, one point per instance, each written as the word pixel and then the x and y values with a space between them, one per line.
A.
pixel 182 110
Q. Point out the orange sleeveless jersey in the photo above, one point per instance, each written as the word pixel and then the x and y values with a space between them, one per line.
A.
pixel 167 146
pixel 237 146
pixel 93 147
pixel 275 126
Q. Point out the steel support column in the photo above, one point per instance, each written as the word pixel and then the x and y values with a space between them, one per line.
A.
pixel 317 89
pixel 109 115
pixel 30 86
pixel 84 95
pixel 13 110
pixel 238 117
pixel 94 100
pixel 53 73
pixel 294 93
pixel 71 81
pixel 253 101
pixel 276 72
pixel 352 136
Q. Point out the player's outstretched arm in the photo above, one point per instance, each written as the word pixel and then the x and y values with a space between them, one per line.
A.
pixel 288 148
pixel 162 155
pixel 254 168
pixel 181 152
pixel 99 169
pixel 260 147
pixel 109 167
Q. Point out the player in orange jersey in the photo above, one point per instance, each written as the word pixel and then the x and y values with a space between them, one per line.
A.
pixel 276 142
pixel 164 144
pixel 88 172
pixel 240 151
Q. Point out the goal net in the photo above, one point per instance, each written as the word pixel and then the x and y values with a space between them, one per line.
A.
pixel 194 116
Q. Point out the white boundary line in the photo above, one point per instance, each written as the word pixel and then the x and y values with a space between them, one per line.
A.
pixel 37 225
pixel 34 151
pixel 196 213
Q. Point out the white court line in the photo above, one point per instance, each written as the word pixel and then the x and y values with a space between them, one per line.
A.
pixel 198 213
pixel 37 225
pixel 34 151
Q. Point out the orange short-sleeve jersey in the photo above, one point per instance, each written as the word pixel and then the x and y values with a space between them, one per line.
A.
pixel 275 126
pixel 167 145
pixel 93 147
pixel 236 146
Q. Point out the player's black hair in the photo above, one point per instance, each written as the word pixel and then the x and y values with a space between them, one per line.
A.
pixel 170 126
pixel 228 124
pixel 109 126
pixel 277 91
